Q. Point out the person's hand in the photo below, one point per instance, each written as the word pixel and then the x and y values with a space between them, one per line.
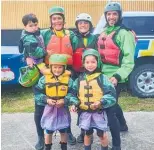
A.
pixel 95 105
pixel 50 52
pixel 51 102
pixel 60 103
pixel 29 62
pixel 73 108
pixel 114 81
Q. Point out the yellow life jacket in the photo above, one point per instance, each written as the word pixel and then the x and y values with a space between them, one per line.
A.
pixel 89 91
pixel 57 88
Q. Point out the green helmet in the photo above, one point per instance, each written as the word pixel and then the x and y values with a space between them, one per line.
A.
pixel 56 10
pixel 113 6
pixel 28 76
pixel 94 53
pixel 58 59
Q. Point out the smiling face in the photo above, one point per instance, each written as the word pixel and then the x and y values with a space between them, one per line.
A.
pixel 83 26
pixel 57 22
pixel 31 27
pixel 57 70
pixel 112 17
pixel 90 63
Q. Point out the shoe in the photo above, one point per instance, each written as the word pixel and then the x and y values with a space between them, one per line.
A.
pixel 116 148
pixel 71 139
pixel 124 128
pixel 40 143
pixel 80 138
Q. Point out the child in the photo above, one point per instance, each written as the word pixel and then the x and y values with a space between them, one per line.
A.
pixel 31 43
pixel 56 85
pixel 85 40
pixel 93 92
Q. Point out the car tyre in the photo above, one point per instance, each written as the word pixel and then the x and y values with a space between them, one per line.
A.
pixel 141 81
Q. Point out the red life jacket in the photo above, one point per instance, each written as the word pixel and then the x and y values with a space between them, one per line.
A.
pixel 109 51
pixel 58 45
pixel 77 59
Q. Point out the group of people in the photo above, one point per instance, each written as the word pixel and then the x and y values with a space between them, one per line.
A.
pixel 80 70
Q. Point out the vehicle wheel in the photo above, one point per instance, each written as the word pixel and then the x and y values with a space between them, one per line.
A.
pixel 142 81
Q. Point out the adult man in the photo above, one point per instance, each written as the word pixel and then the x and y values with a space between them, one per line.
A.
pixel 116 46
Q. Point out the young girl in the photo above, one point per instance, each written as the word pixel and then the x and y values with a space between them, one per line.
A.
pixel 56 85
pixel 94 93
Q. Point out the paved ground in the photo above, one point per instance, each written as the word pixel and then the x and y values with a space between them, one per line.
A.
pixel 18 132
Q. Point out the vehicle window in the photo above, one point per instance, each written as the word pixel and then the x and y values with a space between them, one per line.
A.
pixel 10 37
pixel 141 25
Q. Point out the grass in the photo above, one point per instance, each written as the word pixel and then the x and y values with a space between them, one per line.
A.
pixel 21 100
pixel 18 100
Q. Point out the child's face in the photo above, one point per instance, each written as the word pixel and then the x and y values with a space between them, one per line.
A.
pixel 31 27
pixel 57 70
pixel 57 22
pixel 90 63
pixel 83 26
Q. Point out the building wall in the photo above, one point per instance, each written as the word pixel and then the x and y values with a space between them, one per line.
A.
pixel 12 11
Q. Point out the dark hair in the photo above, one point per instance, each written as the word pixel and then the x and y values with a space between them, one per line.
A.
pixel 29 18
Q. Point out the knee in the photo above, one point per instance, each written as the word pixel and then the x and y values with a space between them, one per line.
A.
pixel 88 133
pixel 104 137
pixel 100 133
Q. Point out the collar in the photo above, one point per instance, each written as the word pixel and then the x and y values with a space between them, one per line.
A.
pixel 92 76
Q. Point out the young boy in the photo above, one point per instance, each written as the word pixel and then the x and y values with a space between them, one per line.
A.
pixel 56 84
pixel 31 43
pixel 94 93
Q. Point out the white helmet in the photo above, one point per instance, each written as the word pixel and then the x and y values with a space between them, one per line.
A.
pixel 84 16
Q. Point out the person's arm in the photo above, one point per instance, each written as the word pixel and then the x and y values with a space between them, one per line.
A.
pixel 126 41
pixel 40 96
pixel 109 93
pixel 71 97
pixel 46 34
pixel 96 39
pixel 31 47
pixel 74 40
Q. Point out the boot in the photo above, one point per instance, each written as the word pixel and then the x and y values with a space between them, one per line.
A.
pixel 87 147
pixel 40 143
pixel 63 146
pixel 116 148
pixel 71 139
pixel 80 138
pixel 124 128
pixel 104 148
pixel 48 146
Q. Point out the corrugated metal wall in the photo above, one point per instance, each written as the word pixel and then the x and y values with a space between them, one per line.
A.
pixel 12 11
